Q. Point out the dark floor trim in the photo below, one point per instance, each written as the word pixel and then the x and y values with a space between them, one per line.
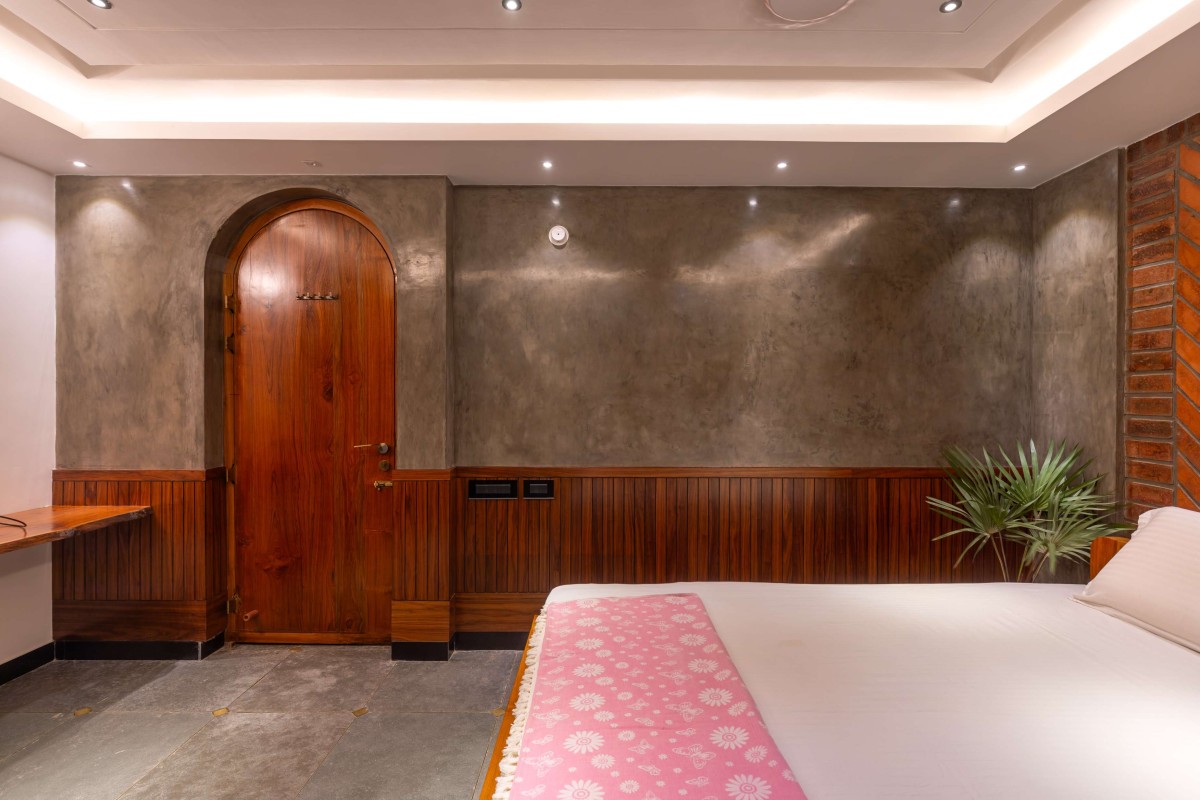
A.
pixel 20 665
pixel 73 650
pixel 421 651
pixel 490 641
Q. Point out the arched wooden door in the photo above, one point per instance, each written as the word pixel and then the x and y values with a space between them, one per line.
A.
pixel 311 374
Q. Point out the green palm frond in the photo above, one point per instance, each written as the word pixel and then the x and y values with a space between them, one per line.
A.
pixel 1046 504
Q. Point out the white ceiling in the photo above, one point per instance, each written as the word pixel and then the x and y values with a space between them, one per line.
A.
pixel 891 92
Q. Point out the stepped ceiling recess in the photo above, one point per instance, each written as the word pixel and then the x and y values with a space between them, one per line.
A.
pixel 875 92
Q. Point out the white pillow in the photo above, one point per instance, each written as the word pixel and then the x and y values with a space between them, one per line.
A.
pixel 1154 581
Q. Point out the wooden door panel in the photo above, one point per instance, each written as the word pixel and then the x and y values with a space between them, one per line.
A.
pixel 312 379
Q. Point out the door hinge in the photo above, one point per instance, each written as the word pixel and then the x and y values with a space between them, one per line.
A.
pixel 229 342
pixel 231 474
pixel 228 300
pixel 232 604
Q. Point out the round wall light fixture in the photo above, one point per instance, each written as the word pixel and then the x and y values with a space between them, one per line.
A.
pixel 559 236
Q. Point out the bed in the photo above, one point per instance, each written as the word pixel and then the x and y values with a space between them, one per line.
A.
pixel 952 691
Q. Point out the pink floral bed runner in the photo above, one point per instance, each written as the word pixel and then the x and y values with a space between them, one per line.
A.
pixel 636 697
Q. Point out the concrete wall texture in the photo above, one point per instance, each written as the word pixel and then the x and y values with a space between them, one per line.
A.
pixel 680 326
pixel 1076 314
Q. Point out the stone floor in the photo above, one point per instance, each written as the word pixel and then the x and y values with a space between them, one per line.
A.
pixel 101 730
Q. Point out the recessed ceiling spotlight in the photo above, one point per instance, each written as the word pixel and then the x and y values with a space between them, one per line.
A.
pixel 781 165
pixel 753 202
pixel 547 164
pixel 555 202
pixel 511 5
pixel 106 4
pixel 79 164
pixel 950 6
pixel 1020 167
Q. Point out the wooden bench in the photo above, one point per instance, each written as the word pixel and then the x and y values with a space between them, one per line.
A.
pixel 52 523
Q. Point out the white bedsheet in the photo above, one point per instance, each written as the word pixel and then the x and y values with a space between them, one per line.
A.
pixel 957 691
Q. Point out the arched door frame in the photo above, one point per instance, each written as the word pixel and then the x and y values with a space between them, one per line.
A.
pixel 228 300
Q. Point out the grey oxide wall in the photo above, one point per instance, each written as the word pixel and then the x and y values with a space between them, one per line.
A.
pixel 139 328
pixel 823 327
pixel 1076 315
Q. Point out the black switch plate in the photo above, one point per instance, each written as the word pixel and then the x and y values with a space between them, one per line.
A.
pixel 491 490
pixel 539 489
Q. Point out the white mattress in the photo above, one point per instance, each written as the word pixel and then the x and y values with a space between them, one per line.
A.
pixel 957 691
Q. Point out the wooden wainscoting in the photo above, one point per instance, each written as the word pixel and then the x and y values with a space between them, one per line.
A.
pixel 162 578
pixel 666 525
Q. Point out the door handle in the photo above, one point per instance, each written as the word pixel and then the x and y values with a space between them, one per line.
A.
pixel 381 485
pixel 382 448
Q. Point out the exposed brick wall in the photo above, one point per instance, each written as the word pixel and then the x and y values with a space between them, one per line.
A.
pixel 1162 371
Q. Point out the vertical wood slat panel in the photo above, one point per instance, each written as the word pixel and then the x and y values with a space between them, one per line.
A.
pixel 175 554
pixel 662 528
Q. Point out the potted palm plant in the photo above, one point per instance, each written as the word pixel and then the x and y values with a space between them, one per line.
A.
pixel 1031 513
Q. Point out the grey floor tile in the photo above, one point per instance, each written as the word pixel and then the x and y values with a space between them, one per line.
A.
pixel 20 729
pixel 412 756
pixel 245 756
pixel 197 685
pixel 95 757
pixel 319 679
pixel 241 652
pixel 478 680
pixel 68 685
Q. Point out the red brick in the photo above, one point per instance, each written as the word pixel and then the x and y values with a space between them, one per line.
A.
pixel 1189 256
pixel 1187 317
pixel 1153 428
pixel 1189 481
pixel 1159 473
pixel 1189 225
pixel 1135 510
pixel 1159 207
pixel 1187 350
pixel 1188 446
pixel 1159 251
pixel 1193 124
pixel 1154 296
pixel 1152 187
pixel 1150 362
pixel 1149 383
pixel 1183 501
pixel 1189 160
pixel 1151 340
pixel 1148 406
pixel 1164 138
pixel 1187 383
pixel 1189 192
pixel 1186 413
pixel 1151 317
pixel 1151 165
pixel 1151 232
pixel 1146 276
pixel 1153 495
pixel 1155 451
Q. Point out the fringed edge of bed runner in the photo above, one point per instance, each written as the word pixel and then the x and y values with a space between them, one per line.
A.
pixel 512 747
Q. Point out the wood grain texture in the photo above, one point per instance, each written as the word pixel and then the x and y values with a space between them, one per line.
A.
pixel 424 520
pixel 313 392
pixel 54 523
pixel 665 529
pixel 1103 550
pixel 421 621
pixel 496 613
pixel 173 558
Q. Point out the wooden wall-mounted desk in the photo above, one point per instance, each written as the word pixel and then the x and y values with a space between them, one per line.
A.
pixel 52 523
